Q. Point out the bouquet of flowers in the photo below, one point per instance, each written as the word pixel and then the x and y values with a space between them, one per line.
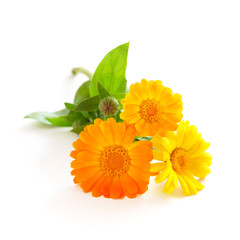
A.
pixel 127 135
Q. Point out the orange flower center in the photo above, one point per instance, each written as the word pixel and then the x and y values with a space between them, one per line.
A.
pixel 114 160
pixel 151 110
pixel 179 159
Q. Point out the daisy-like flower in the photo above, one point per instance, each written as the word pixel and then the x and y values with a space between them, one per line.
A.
pixel 152 108
pixel 108 163
pixel 182 157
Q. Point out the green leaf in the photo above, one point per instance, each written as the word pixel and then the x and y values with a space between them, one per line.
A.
pixel 79 128
pixel 89 104
pixel 102 91
pixel 60 121
pixel 80 122
pixel 58 118
pixel 73 116
pixel 82 93
pixel 69 106
pixel 111 73
pixel 72 113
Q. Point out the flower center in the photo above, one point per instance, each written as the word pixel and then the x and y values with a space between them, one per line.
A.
pixel 114 160
pixel 179 159
pixel 151 110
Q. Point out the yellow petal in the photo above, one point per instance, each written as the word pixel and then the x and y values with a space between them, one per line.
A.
pixel 133 118
pixel 181 131
pixel 133 108
pixel 190 137
pixel 196 183
pixel 133 99
pixel 168 182
pixel 203 158
pixel 199 170
pixel 190 184
pixel 162 144
pixel 175 180
pixel 161 156
pixel 184 185
pixel 157 167
pixel 172 137
pixel 198 149
pixel 163 175
pixel 171 188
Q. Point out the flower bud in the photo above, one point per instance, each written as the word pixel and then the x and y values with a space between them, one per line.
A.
pixel 109 106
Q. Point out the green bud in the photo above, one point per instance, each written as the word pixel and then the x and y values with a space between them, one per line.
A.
pixel 109 106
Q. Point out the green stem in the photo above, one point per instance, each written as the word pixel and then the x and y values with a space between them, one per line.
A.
pixel 82 70
pixel 142 138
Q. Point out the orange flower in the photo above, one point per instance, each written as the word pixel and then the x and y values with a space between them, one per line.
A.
pixel 152 108
pixel 108 163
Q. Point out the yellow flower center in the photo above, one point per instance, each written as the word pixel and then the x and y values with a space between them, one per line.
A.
pixel 179 159
pixel 151 110
pixel 114 160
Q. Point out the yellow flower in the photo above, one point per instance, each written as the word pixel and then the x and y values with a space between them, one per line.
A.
pixel 182 156
pixel 152 108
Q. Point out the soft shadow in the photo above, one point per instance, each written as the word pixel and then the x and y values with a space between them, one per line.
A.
pixel 52 164
pixel 72 202
pixel 52 147
pixel 157 196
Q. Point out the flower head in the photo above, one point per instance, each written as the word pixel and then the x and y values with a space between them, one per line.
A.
pixel 182 157
pixel 109 106
pixel 152 108
pixel 108 163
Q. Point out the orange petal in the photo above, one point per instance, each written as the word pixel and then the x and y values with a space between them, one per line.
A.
pixel 116 187
pixel 105 188
pixel 141 184
pixel 74 153
pixel 87 156
pixel 128 184
pixel 95 133
pixel 88 184
pixel 76 164
pixel 154 173
pixel 79 145
pixel 89 140
pixel 119 132
pixel 140 125
pixel 135 171
pixel 84 159
pixel 142 152
pixel 83 174
pixel 107 132
pixel 97 122
pixel 140 144
pixel 141 163
pixel 96 191
pixel 129 136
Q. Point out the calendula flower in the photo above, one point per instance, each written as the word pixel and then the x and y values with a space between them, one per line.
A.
pixel 152 108
pixel 182 157
pixel 108 163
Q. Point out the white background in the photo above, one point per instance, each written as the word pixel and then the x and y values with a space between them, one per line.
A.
pixel 192 46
